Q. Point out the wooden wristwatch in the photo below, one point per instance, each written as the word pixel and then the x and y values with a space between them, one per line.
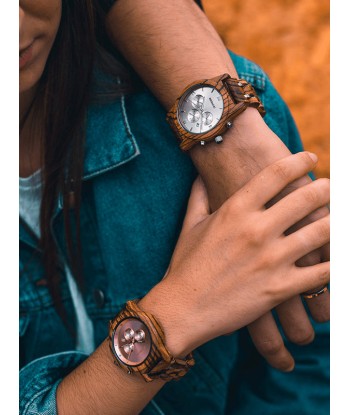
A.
pixel 137 342
pixel 206 109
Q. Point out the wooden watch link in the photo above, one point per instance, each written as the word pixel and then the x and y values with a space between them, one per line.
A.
pixel 137 342
pixel 206 109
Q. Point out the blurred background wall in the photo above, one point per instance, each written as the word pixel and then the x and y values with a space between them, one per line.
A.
pixel 289 39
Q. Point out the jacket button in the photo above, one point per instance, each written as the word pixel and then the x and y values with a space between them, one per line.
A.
pixel 99 298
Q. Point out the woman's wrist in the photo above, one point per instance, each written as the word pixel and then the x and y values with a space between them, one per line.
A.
pixel 169 309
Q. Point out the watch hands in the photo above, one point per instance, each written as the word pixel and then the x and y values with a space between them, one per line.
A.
pixel 131 348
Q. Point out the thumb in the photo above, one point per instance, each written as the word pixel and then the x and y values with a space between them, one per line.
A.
pixel 198 205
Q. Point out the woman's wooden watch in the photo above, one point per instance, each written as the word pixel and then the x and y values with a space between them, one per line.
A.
pixel 137 342
pixel 206 109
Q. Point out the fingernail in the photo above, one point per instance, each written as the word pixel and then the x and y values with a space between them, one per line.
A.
pixel 313 157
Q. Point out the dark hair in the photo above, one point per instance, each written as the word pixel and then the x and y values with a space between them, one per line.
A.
pixel 64 92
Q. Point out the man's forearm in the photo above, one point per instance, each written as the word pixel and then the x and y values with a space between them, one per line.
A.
pixel 173 48
pixel 169 44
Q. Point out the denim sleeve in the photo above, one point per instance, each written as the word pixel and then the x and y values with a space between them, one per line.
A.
pixel 39 379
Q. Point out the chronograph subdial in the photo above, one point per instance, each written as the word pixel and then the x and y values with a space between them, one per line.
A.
pixel 193 115
pixel 198 102
pixel 207 118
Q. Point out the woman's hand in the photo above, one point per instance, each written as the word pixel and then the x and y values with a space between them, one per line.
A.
pixel 232 266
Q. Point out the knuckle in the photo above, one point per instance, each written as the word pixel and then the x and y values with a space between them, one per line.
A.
pixel 256 231
pixel 325 183
pixel 323 188
pixel 302 336
pixel 253 236
pixel 305 158
pixel 275 289
pixel 271 347
pixel 280 170
pixel 311 195
pixel 230 207
pixel 324 229
pixel 324 278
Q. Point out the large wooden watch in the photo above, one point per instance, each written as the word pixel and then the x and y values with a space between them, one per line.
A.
pixel 137 342
pixel 206 109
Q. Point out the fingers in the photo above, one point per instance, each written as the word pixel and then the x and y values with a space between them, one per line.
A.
pixel 295 321
pixel 319 306
pixel 297 205
pixel 269 343
pixel 274 178
pixel 306 279
pixel 307 239
pixel 198 205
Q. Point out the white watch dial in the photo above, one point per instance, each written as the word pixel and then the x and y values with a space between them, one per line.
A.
pixel 200 109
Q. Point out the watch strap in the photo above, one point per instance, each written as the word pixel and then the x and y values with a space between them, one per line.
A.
pixel 159 364
pixel 238 95
pixel 242 91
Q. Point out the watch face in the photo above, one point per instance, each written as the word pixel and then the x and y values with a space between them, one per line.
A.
pixel 200 109
pixel 132 341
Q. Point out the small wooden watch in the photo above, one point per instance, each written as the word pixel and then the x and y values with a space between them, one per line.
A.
pixel 206 109
pixel 137 342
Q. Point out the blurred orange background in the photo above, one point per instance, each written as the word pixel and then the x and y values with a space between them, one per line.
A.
pixel 290 40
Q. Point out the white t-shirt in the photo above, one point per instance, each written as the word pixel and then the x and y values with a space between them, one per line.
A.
pixel 29 210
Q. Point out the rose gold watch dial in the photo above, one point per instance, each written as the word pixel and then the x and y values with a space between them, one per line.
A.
pixel 132 341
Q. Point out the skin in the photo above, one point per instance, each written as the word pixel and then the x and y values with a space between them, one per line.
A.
pixel 159 46
pixel 38 25
pixel 189 295
pixel 97 386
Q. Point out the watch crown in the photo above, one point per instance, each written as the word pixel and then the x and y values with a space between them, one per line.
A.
pixel 219 139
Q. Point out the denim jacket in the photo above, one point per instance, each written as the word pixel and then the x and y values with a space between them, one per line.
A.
pixel 135 190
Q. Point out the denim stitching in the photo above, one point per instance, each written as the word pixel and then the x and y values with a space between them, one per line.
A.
pixel 160 412
pixel 127 126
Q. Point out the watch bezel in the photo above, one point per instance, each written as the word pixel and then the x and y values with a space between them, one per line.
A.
pixel 186 94
pixel 230 108
pixel 113 345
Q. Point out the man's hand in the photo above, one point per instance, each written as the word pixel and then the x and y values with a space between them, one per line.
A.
pixel 249 147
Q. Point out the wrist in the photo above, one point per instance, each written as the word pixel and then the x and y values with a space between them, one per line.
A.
pixel 170 313
pixel 248 147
